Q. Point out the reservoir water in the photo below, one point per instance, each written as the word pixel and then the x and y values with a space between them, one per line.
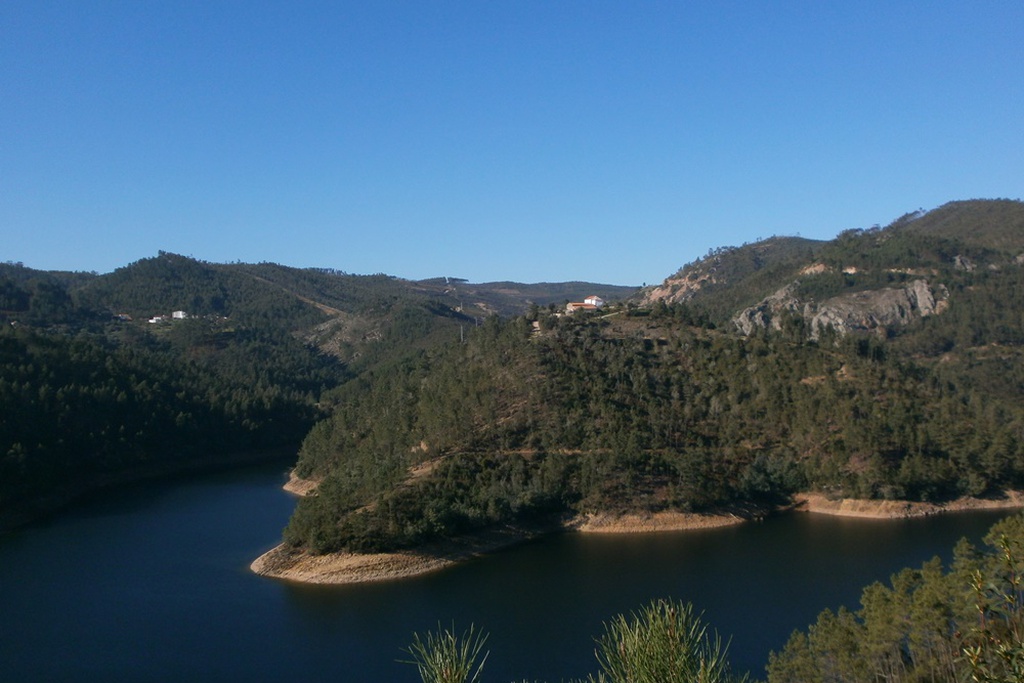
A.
pixel 152 584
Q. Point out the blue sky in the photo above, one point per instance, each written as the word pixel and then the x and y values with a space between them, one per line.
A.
pixel 493 139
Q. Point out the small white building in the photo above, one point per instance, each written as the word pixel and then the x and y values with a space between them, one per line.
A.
pixel 594 300
pixel 179 315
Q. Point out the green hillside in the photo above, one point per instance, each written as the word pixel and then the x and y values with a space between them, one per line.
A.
pixel 101 383
pixel 968 235
pixel 883 363
pixel 670 407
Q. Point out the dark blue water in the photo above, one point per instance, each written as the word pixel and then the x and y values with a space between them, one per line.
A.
pixel 153 585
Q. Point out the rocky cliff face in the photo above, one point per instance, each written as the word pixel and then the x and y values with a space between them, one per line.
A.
pixel 677 289
pixel 859 311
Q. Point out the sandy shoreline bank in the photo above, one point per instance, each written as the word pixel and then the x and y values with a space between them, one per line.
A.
pixel 899 509
pixel 344 568
pixel 348 568
pixel 652 522
pixel 299 486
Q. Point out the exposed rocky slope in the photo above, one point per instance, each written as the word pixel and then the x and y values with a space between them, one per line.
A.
pixel 876 279
pixel 868 310
pixel 726 267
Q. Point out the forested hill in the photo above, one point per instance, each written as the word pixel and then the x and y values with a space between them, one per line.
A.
pixel 170 362
pixel 932 245
pixel 885 362
pixel 677 406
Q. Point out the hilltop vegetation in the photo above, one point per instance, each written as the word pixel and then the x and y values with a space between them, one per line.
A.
pixel 936 245
pixel 90 398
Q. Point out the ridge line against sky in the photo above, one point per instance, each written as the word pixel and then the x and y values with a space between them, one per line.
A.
pixel 528 141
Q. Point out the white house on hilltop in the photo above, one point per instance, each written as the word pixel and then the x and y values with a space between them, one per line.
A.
pixel 591 303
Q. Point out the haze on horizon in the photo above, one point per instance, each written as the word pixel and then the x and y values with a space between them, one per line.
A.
pixel 528 141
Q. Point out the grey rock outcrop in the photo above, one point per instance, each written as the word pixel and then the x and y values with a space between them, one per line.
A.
pixel 963 263
pixel 770 312
pixel 867 310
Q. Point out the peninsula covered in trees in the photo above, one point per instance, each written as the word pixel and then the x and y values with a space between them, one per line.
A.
pixel 885 364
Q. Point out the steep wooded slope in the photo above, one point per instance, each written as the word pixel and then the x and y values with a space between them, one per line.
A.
pixel 659 409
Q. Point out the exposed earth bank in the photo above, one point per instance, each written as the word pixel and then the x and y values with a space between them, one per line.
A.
pixel 899 509
pixel 343 568
pixel 298 485
pixel 282 562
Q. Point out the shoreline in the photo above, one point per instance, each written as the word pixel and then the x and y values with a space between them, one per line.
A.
pixel 354 568
pixel 654 522
pixel 349 568
pixel 343 568
pixel 819 503
pixel 298 486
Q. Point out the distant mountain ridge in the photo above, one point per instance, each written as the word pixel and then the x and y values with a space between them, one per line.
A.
pixel 210 288
pixel 331 307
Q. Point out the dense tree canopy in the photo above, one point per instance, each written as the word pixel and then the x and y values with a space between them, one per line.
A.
pixel 438 418
pixel 93 392
pixel 649 412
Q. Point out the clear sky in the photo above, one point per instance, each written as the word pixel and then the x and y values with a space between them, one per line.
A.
pixel 492 139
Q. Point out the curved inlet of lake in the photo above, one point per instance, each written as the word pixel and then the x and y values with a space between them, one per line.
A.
pixel 152 584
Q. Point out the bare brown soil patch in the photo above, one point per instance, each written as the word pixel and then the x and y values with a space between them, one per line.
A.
pixel 339 568
pixel 344 568
pixel 299 486
pixel 657 521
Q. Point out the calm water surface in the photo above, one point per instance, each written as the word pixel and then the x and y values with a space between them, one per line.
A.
pixel 153 585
